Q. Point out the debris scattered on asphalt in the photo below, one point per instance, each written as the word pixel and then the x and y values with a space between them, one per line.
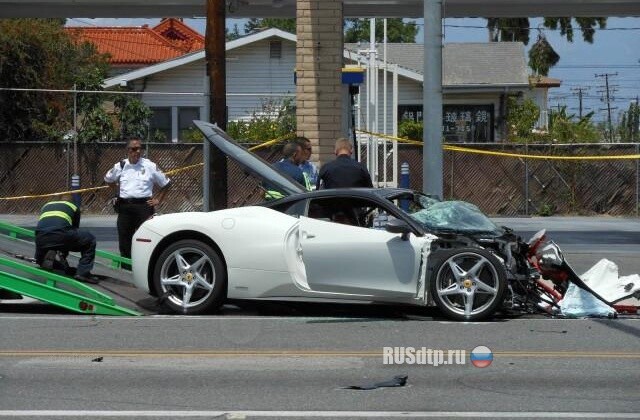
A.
pixel 97 359
pixel 550 331
pixel 398 380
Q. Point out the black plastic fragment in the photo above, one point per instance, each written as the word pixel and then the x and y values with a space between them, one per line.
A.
pixel 398 380
pixel 97 359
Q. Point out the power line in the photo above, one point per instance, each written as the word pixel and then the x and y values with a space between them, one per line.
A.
pixel 535 28
pixel 580 91
pixel 608 88
pixel 598 66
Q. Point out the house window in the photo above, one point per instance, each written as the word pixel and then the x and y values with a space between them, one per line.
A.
pixel 468 123
pixel 460 123
pixel 160 125
pixel 275 49
pixel 185 121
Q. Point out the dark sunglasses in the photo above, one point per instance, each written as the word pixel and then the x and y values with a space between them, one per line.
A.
pixel 134 149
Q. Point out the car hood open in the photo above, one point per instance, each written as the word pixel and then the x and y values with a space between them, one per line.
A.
pixel 249 161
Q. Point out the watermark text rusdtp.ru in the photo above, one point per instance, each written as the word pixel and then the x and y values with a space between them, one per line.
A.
pixel 422 356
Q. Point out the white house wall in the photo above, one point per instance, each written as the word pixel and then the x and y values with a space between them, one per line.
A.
pixel 539 96
pixel 188 78
pixel 252 78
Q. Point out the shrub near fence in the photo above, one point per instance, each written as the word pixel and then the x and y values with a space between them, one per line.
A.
pixel 499 185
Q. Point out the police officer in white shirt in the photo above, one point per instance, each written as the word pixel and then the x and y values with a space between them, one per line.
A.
pixel 136 177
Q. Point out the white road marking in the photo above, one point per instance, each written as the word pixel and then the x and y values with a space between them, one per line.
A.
pixel 194 318
pixel 208 318
pixel 231 414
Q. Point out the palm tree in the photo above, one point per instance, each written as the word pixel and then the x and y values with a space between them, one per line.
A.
pixel 542 56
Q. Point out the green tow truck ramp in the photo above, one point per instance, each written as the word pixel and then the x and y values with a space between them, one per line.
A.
pixel 53 288
pixel 16 232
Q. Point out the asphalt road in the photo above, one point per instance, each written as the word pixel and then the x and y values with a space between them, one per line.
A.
pixel 303 364
pixel 296 361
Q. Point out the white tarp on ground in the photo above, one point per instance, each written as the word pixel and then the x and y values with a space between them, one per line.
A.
pixel 603 279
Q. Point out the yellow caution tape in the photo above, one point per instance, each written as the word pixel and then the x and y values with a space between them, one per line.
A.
pixel 386 136
pixel 185 168
pixel 171 172
pixel 84 190
pixel 270 142
pixel 505 154
pixel 54 194
pixel 525 156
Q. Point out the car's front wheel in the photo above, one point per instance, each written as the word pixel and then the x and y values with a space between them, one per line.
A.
pixel 468 284
pixel 191 278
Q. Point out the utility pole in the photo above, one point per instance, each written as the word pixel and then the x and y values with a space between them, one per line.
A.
pixel 580 91
pixel 609 98
pixel 636 120
pixel 216 70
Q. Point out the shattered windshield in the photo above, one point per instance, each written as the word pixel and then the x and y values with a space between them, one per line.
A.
pixel 458 216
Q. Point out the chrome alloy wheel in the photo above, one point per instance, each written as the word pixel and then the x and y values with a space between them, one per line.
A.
pixel 468 284
pixel 188 277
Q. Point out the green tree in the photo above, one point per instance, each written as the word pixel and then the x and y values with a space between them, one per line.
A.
pixel 39 54
pixel 544 57
pixel 397 30
pixel 288 25
pixel 274 119
pixel 97 125
pixel 410 129
pixel 231 35
pixel 567 128
pixel 354 29
pixel 630 124
pixel 522 116
pixel 134 117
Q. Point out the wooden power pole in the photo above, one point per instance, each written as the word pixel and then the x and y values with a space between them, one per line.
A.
pixel 216 70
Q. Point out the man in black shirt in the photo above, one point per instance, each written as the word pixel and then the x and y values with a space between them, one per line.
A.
pixel 344 172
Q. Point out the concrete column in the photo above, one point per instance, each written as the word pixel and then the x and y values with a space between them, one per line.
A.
pixel 319 66
pixel 432 99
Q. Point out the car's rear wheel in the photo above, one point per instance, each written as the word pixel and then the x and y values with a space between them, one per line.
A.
pixel 468 284
pixel 191 278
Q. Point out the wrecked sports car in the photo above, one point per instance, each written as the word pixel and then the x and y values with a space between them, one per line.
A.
pixel 348 245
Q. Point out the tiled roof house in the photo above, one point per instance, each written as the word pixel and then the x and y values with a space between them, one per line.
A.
pixel 477 80
pixel 134 47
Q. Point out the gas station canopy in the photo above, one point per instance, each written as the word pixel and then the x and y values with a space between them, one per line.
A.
pixel 284 8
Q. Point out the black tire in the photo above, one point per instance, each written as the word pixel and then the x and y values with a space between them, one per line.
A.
pixel 468 296
pixel 199 287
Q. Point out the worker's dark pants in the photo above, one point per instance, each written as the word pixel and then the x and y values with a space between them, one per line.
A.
pixel 130 216
pixel 71 239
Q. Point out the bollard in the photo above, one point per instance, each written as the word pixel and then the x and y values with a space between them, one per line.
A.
pixel 75 185
pixel 404 183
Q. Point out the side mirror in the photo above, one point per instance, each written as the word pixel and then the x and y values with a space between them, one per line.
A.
pixel 399 226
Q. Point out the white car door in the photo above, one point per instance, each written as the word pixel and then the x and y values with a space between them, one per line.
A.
pixel 357 260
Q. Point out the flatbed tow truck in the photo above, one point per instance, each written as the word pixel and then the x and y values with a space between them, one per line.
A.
pixel 21 278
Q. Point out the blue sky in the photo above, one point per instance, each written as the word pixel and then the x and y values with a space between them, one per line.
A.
pixel 615 50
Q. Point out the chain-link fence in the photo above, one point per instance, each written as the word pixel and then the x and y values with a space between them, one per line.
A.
pixel 499 185
pixel 509 186
pixel 34 169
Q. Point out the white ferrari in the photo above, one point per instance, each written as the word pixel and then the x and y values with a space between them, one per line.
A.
pixel 347 245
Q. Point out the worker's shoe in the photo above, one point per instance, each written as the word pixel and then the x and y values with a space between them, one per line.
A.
pixel 87 278
pixel 48 260
pixel 64 264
